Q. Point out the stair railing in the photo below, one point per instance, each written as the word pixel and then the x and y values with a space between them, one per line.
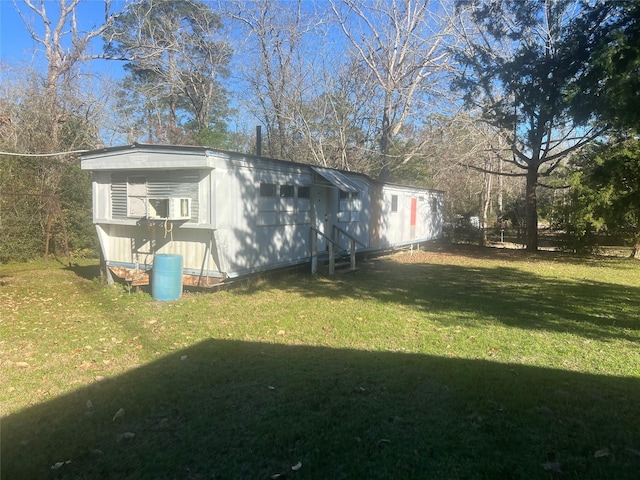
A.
pixel 332 244
pixel 352 243
pixel 315 233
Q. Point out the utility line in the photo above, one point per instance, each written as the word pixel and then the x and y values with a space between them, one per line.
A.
pixel 56 154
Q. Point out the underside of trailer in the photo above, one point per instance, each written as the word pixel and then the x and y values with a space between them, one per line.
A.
pixel 128 253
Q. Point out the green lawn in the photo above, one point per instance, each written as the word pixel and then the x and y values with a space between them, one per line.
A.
pixel 464 363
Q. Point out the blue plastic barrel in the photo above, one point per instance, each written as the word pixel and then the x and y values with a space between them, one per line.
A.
pixel 166 277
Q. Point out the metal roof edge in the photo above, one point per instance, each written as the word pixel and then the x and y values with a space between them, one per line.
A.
pixel 146 147
pixel 337 179
pixel 192 149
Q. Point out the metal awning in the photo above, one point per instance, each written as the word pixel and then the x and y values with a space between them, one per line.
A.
pixel 337 179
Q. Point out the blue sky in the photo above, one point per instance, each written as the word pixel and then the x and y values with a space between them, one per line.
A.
pixel 18 48
pixel 15 42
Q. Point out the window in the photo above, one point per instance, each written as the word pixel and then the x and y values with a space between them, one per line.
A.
pixel 267 190
pixel 304 192
pixel 287 191
pixel 284 204
pixel 155 195
pixel 394 203
pixel 350 206
pixel 356 206
pixel 158 207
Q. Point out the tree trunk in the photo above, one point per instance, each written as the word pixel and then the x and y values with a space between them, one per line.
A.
pixel 500 189
pixel 485 195
pixel 55 117
pixel 531 207
pixel 385 142
pixel 48 234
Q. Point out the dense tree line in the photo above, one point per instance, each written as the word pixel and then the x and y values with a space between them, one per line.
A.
pixel 508 106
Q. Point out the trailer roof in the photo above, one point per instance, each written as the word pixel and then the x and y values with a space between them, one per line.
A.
pixel 339 178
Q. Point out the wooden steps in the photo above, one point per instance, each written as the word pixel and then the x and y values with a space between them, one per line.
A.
pixel 342 264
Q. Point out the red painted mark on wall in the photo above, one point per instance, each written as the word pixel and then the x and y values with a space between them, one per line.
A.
pixel 414 210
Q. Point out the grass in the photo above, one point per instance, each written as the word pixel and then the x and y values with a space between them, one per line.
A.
pixel 466 363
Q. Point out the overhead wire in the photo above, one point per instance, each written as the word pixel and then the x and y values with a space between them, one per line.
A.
pixel 54 154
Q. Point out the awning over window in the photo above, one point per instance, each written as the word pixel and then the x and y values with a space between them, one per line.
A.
pixel 337 179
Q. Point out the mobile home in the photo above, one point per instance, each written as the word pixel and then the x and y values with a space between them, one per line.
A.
pixel 230 214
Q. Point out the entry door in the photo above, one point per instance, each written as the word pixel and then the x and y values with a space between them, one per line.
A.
pixel 320 197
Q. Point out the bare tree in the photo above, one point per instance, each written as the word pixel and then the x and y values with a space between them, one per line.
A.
pixel 66 46
pixel 337 122
pixel 461 155
pixel 278 70
pixel 403 43
pixel 51 112
pixel 40 194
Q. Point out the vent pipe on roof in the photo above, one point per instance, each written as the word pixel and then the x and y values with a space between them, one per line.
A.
pixel 258 140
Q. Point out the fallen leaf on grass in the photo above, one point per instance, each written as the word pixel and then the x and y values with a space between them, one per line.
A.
pixel 58 465
pixel 297 467
pixel 87 365
pixel 603 452
pixel 119 414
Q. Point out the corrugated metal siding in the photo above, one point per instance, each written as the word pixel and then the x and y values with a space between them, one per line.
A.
pixel 133 244
pixel 182 184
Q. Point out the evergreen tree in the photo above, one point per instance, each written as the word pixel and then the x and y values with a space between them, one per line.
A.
pixel 605 195
pixel 175 58
pixel 519 71
pixel 611 60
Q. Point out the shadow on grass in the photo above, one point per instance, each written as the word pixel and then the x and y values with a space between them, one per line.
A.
pixel 476 252
pixel 513 297
pixel 88 272
pixel 230 409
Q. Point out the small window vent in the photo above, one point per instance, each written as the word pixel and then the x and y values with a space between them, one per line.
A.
pixel 179 208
